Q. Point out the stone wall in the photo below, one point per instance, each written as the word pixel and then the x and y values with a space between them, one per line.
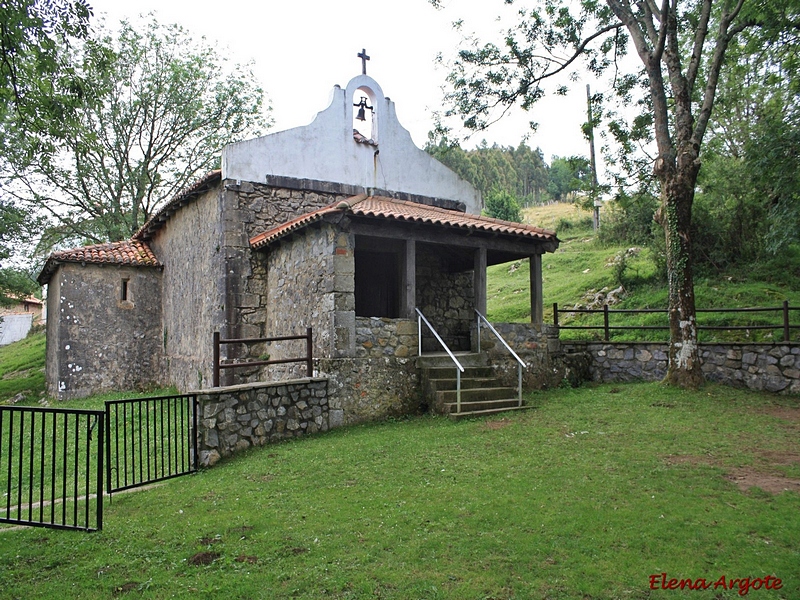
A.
pixel 378 336
pixel 255 305
pixel 537 346
pixel 447 300
pixel 188 245
pixel 235 418
pixel 771 367
pixel 94 337
pixel 370 389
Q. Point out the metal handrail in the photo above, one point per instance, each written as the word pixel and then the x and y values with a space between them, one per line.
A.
pixel 459 368
pixel 520 362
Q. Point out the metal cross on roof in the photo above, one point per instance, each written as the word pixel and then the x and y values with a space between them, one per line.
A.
pixel 364 58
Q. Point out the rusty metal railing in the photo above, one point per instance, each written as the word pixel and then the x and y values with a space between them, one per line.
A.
pixel 258 363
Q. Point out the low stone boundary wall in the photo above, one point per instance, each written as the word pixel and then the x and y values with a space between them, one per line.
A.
pixel 770 367
pixel 234 418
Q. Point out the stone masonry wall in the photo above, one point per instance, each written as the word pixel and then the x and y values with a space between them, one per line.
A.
pixel 370 389
pixel 235 418
pixel 378 336
pixel 250 209
pixel 770 367
pixel 536 346
pixel 98 342
pixel 188 246
pixel 446 299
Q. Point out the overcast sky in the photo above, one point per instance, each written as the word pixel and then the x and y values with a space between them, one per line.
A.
pixel 302 48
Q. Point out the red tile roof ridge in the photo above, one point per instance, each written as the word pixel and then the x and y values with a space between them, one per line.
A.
pixel 382 207
pixel 127 252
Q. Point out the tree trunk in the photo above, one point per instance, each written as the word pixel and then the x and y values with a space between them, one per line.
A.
pixel 677 196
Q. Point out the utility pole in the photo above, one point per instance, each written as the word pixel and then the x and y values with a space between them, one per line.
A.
pixel 595 201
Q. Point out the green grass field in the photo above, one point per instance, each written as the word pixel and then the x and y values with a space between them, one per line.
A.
pixel 586 496
pixel 22 368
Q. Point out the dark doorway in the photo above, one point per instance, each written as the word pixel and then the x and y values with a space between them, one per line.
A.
pixel 377 284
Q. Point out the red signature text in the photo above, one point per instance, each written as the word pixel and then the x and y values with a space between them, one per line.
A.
pixel 660 581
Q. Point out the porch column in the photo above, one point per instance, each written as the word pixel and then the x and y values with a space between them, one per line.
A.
pixel 479 280
pixel 408 284
pixel 537 312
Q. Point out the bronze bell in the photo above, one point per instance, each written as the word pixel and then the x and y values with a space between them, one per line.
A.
pixel 362 106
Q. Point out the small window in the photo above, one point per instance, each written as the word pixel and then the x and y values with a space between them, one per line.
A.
pixel 124 291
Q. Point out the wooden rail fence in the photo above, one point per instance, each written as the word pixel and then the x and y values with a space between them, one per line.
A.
pixel 607 313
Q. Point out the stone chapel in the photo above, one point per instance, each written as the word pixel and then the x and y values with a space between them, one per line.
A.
pixel 347 232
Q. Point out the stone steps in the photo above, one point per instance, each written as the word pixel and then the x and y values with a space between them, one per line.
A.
pixel 482 394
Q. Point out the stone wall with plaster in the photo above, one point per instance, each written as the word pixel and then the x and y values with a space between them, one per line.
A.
pixel 188 245
pixel 98 342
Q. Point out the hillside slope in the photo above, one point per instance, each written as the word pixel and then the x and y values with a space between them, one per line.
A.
pixel 583 270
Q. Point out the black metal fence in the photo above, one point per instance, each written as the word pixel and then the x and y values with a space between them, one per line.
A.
pixel 785 326
pixel 149 440
pixel 51 467
pixel 54 461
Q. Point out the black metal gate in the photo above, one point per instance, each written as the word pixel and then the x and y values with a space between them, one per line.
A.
pixel 51 467
pixel 149 440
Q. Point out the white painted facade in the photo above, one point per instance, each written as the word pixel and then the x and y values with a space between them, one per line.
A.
pixel 326 151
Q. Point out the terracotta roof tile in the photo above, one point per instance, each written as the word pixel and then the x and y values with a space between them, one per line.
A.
pixel 128 252
pixel 400 210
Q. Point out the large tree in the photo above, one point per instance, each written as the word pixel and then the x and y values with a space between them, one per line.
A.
pixel 155 108
pixel 681 46
pixel 33 34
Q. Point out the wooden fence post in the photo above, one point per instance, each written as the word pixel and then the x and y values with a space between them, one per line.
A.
pixel 785 320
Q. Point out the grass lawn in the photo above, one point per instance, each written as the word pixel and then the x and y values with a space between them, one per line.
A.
pixel 584 497
pixel 22 368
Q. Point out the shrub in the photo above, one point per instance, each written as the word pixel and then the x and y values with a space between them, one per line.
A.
pixel 501 204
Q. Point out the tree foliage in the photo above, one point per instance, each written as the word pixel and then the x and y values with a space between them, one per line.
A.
pixel 568 176
pixel 156 108
pixel 32 34
pixel 681 47
pixel 15 227
pixel 501 204
pixel 519 171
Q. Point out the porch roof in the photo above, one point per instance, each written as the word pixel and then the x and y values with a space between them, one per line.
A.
pixel 401 211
